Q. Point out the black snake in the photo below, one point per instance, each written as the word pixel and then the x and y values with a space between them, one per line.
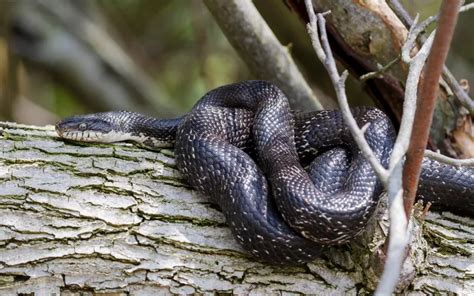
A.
pixel 287 182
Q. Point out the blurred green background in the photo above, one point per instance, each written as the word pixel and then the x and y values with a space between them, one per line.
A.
pixel 179 47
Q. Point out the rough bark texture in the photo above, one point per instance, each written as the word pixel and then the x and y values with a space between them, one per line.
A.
pixel 364 34
pixel 119 219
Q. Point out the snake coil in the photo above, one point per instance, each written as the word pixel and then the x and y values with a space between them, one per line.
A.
pixel 288 183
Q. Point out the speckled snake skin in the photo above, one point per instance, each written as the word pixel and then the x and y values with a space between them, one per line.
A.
pixel 288 183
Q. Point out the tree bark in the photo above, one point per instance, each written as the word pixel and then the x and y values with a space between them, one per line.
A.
pixel 365 34
pixel 119 219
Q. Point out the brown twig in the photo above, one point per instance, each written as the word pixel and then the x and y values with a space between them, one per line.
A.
pixel 429 89
pixel 391 178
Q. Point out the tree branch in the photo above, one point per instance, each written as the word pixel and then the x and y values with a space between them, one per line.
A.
pixel 324 53
pixel 426 104
pixel 266 58
pixel 449 160
pixel 365 34
pixel 458 91
pixel 391 177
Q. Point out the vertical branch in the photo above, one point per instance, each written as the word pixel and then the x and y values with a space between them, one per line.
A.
pixel 426 104
pixel 391 178
pixel 399 235
pixel 323 51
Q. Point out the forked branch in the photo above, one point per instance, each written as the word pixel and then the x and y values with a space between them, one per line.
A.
pixel 391 177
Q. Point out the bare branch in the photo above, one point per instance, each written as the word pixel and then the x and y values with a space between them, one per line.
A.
pixel 397 246
pixel 266 58
pixel 398 220
pixel 380 71
pixel 452 161
pixel 429 90
pixel 458 91
pixel 324 53
pixel 409 105
pixel 392 179
pixel 397 242
pixel 410 42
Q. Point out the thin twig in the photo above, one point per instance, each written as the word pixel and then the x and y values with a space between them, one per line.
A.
pixel 394 189
pixel 399 239
pixel 401 13
pixel 414 72
pixel 399 236
pixel 429 90
pixel 410 42
pixel 425 210
pixel 380 71
pixel 396 248
pixel 469 162
pixel 324 53
pixel 458 91
pixel 391 178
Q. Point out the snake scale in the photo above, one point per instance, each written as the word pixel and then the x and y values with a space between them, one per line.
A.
pixel 288 183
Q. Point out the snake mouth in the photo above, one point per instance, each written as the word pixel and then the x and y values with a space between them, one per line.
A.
pixel 85 128
pixel 83 136
pixel 79 134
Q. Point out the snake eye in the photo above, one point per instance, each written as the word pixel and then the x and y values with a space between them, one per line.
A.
pixel 82 126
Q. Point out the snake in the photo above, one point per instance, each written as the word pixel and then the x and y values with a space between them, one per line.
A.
pixel 289 183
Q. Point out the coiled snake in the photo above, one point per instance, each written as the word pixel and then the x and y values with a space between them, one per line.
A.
pixel 243 147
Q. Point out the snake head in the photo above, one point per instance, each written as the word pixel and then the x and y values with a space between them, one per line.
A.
pixel 98 127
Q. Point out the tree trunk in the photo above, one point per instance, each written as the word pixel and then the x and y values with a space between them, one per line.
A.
pixel 119 219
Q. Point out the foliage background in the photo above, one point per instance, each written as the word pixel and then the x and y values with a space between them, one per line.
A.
pixel 178 44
